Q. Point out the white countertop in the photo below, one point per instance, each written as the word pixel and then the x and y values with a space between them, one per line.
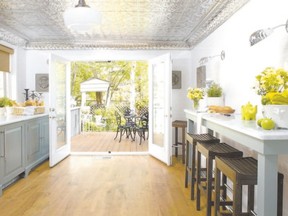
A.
pixel 235 122
pixel 4 120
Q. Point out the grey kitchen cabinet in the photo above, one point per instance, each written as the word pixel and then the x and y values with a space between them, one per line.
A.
pixel 24 143
pixel 12 160
pixel 37 142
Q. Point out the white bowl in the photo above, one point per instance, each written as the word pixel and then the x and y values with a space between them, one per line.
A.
pixel 278 113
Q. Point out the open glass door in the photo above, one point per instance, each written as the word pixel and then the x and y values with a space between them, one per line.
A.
pixel 59 115
pixel 160 143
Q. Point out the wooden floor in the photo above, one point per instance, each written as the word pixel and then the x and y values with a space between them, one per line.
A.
pixel 104 142
pixel 101 186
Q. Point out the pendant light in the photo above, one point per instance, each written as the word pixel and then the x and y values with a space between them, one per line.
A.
pixel 81 18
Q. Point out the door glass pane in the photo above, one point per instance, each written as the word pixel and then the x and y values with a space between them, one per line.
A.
pixel 60 96
pixel 2 84
pixel 158 92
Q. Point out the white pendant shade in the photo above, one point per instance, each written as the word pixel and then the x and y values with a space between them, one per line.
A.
pixel 81 19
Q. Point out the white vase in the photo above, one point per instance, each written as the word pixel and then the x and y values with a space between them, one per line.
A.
pixel 278 113
pixel 2 111
pixel 215 101
pixel 9 111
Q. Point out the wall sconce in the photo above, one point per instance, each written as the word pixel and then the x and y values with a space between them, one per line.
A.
pixel 264 33
pixel 204 60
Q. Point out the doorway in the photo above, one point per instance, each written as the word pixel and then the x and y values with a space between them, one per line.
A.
pixel 98 90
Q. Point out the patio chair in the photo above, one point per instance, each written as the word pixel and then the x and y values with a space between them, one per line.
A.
pixel 123 128
pixel 141 127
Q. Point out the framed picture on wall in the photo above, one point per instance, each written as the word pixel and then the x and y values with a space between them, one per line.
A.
pixel 41 82
pixel 176 79
pixel 201 76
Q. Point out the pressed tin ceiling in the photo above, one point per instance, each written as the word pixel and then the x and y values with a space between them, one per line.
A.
pixel 126 24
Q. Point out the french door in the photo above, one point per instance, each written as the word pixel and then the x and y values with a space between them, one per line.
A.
pixel 59 109
pixel 160 129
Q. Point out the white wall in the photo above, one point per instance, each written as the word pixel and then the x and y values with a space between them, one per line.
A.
pixel 242 63
pixel 237 72
pixel 37 62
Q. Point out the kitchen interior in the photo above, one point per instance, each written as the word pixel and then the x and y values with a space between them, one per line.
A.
pixel 229 30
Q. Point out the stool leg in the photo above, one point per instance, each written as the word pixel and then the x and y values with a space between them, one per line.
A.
pixel 183 145
pixel 193 169
pixel 209 185
pixel 224 190
pixel 237 199
pixel 198 180
pixel 187 164
pixel 250 204
pixel 217 191
pixel 176 141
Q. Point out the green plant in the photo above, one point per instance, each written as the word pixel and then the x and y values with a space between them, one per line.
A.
pixel 195 94
pixel 271 80
pixel 215 90
pixel 272 85
pixel 5 101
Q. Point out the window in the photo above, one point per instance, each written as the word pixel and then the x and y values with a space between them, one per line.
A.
pixel 5 68
pixel 3 83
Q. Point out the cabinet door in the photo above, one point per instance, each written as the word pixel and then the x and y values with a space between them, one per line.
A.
pixel 45 136
pixel 12 150
pixel 2 135
pixel 33 141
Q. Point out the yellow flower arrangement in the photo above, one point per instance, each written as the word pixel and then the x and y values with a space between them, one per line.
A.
pixel 272 85
pixel 195 94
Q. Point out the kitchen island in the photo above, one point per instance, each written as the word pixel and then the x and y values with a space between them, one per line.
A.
pixel 267 144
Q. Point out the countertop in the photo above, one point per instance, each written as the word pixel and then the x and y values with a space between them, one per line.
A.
pixel 234 121
pixel 4 120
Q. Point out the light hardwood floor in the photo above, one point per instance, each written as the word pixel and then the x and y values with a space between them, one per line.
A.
pixel 110 186
pixel 104 142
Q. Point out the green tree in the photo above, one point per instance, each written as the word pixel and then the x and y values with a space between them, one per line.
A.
pixel 117 73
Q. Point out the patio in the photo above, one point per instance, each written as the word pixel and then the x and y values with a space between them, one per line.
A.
pixel 104 142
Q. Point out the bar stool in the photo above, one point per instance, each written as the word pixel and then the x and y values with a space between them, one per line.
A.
pixel 241 171
pixel 190 167
pixel 210 152
pixel 183 125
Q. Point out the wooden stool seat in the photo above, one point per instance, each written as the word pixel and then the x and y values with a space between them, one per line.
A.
pixel 241 171
pixel 210 151
pixel 183 125
pixel 193 139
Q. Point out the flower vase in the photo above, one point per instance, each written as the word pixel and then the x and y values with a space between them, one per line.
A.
pixel 195 104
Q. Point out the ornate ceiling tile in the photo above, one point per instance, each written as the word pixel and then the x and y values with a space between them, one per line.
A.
pixel 126 24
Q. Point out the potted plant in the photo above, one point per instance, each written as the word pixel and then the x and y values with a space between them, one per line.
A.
pixel 5 102
pixel 272 86
pixel 195 94
pixel 214 95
